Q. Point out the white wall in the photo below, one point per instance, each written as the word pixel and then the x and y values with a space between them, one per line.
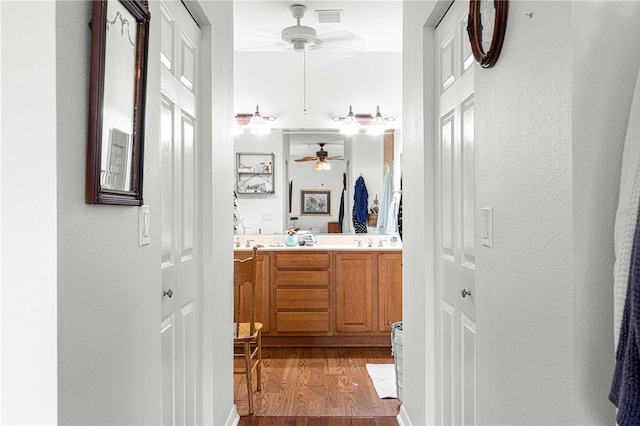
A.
pixel 28 267
pixel 334 81
pixel 418 405
pixel 81 300
pixel 252 207
pixel 550 123
pixel 108 286
pixel 603 73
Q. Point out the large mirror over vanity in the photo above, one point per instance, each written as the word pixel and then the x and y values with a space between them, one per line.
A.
pixel 310 180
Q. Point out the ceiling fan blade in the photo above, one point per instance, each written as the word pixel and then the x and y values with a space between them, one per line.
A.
pixel 307 159
pixel 271 32
pixel 334 158
pixel 336 47
pixel 336 35
pixel 273 47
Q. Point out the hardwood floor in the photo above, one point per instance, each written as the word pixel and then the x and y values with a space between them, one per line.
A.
pixel 317 421
pixel 317 386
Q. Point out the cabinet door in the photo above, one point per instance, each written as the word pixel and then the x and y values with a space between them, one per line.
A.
pixel 354 292
pixel 389 289
pixel 262 292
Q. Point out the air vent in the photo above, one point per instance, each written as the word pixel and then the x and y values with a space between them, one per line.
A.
pixel 329 16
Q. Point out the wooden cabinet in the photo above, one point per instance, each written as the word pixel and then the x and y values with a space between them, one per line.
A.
pixel 389 289
pixel 354 291
pixel 327 298
pixel 302 284
pixel 263 288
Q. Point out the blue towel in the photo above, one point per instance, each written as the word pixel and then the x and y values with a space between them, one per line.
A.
pixel 625 389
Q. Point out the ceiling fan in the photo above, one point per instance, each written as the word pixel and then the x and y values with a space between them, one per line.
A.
pixel 302 37
pixel 321 156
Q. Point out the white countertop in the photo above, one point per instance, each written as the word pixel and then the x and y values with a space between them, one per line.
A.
pixel 325 247
pixel 335 242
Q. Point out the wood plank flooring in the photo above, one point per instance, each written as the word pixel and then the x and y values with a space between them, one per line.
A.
pixel 304 384
pixel 317 421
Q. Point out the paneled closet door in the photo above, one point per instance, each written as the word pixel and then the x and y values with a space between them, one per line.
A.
pixel 455 228
pixel 180 262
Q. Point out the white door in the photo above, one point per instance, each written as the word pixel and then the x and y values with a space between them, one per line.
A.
pixel 455 193
pixel 180 263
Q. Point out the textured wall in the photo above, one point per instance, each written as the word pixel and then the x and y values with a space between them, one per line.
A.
pixel 108 286
pixel 603 75
pixel 551 118
pixel 28 339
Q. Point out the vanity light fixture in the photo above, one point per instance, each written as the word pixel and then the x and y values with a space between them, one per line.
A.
pixel 350 126
pixel 254 123
pixel 378 125
pixel 353 123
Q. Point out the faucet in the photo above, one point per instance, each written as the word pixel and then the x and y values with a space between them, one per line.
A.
pixel 370 243
pixel 249 243
pixel 380 243
pixel 359 243
pixel 237 241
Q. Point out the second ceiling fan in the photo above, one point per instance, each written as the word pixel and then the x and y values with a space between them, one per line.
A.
pixel 320 158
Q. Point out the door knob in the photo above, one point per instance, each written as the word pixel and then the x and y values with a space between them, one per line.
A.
pixel 465 292
pixel 168 293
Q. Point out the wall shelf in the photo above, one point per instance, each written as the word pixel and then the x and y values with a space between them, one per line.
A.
pixel 254 173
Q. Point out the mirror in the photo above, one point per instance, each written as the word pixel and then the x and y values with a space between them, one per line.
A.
pixel 486 28
pixel 119 45
pixel 360 154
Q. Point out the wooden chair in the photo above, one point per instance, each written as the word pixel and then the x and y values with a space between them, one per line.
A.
pixel 247 341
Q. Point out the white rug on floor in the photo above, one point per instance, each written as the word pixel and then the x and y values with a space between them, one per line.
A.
pixel 384 379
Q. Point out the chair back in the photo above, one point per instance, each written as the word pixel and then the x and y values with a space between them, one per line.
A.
pixel 244 272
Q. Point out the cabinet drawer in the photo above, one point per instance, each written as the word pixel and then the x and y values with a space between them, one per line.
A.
pixel 302 321
pixel 302 261
pixel 302 278
pixel 301 299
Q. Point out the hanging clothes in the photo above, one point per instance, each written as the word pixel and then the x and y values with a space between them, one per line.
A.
pixel 625 389
pixel 392 216
pixel 628 201
pixel 387 196
pixel 341 213
pixel 360 213
pixel 400 211
pixel 358 227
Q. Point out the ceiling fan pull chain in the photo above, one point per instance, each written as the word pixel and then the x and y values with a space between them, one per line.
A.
pixel 304 81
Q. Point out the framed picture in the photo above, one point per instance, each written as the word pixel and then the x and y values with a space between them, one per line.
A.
pixel 315 202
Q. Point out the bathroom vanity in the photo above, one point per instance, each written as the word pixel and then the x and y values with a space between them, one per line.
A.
pixel 328 294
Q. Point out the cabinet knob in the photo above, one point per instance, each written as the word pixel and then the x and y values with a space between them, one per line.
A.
pixel 168 293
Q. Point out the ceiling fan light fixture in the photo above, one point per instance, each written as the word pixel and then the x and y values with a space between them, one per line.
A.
pixel 322 165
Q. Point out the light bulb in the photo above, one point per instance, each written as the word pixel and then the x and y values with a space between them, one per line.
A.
pixel 378 125
pixel 350 125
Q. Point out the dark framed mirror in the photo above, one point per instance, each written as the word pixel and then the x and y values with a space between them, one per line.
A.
pixel 119 51
pixel 486 27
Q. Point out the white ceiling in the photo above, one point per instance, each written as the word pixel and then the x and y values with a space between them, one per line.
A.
pixel 376 25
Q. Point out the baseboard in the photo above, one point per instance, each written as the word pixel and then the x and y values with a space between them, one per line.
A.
pixel 234 417
pixel 403 417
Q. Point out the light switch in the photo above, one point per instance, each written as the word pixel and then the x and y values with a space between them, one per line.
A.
pixel 487 226
pixel 145 222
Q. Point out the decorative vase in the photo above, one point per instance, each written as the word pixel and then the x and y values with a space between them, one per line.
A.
pixel 290 240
